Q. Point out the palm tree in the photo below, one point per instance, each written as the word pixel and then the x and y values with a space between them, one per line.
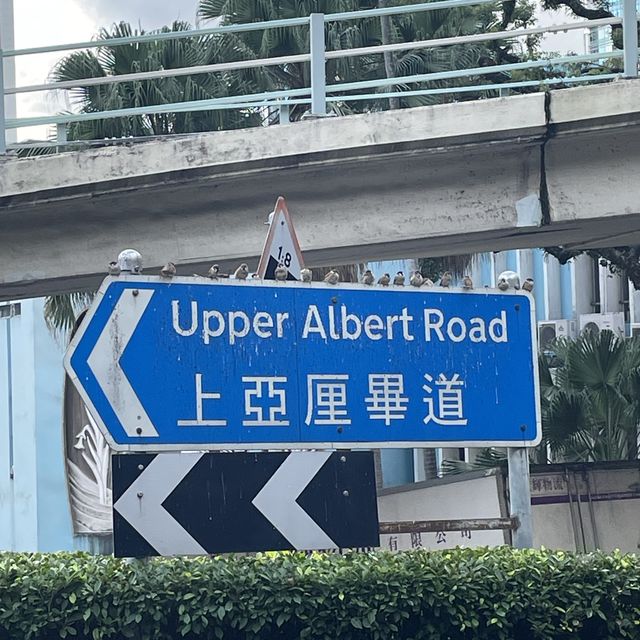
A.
pixel 61 311
pixel 368 32
pixel 166 54
pixel 591 398
pixel 110 61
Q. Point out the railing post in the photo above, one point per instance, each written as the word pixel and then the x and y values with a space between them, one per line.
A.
pixel 61 135
pixel 318 76
pixel 3 134
pixel 630 38
pixel 284 112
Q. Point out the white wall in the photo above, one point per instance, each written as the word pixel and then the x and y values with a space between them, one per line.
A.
pixel 34 507
pixel 448 498
pixel 575 507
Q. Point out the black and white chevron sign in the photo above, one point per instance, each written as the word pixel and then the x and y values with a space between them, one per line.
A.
pixel 201 503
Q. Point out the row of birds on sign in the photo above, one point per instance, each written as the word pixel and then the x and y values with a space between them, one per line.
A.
pixel 333 277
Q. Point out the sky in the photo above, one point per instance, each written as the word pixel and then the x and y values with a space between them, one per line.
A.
pixel 42 22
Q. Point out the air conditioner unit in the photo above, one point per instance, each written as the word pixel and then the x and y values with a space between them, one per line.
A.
pixel 550 330
pixel 601 321
pixel 634 329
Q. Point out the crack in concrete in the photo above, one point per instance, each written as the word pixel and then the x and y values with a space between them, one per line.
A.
pixel 544 188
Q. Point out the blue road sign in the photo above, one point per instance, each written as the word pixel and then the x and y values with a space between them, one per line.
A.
pixel 189 363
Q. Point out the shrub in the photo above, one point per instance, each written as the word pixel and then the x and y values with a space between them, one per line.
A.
pixel 462 593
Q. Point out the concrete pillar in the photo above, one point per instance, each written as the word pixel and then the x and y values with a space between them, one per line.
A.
pixel 566 291
pixel 552 288
pixel 583 285
pixel 634 304
pixel 610 297
pixel 539 290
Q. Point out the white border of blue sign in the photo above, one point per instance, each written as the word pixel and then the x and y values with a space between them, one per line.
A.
pixel 280 446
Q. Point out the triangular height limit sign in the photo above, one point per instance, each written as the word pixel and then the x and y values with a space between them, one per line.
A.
pixel 281 246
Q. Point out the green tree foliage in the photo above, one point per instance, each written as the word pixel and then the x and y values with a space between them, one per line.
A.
pixel 624 261
pixel 110 61
pixel 591 398
pixel 433 268
pixel 368 32
pixel 461 594
pixel 62 311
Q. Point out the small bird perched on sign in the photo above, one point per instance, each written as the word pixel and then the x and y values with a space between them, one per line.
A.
pixel 427 282
pixel 213 272
pixel 527 285
pixel 113 269
pixel 281 273
pixel 398 279
pixel 368 278
pixel 416 279
pixel 168 271
pixel 333 277
pixel 467 283
pixel 445 280
pixel 305 275
pixel 384 280
pixel 241 272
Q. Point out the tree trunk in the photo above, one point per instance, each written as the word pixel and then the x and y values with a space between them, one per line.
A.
pixel 389 61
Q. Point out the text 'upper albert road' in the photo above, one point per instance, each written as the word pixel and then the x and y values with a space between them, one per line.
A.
pixel 192 363
pixel 336 322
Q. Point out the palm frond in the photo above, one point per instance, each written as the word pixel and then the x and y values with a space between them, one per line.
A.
pixel 488 458
pixel 61 311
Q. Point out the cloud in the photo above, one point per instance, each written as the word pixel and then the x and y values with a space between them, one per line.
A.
pixel 42 22
pixel 149 15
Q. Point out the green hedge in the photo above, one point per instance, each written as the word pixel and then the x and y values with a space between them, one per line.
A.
pixel 462 593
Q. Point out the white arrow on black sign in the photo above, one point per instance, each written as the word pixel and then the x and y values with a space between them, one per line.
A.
pixel 198 503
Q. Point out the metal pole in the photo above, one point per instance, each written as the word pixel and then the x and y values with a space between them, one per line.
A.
pixel 630 38
pixel 389 59
pixel 3 139
pixel 318 78
pixel 61 135
pixel 285 113
pixel 520 497
pixel 7 42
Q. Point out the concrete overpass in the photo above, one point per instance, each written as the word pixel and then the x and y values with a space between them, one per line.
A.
pixel 524 171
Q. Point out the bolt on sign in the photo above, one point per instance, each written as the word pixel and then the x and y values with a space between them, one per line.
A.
pixel 195 364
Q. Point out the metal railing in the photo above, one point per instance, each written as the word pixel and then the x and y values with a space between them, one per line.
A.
pixel 320 93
